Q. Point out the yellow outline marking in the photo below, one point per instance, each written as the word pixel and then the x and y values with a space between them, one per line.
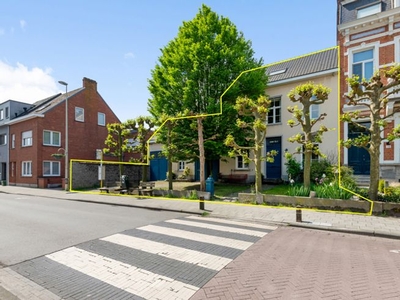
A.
pixel 220 113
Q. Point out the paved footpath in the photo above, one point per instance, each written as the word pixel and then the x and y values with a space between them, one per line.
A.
pixel 362 224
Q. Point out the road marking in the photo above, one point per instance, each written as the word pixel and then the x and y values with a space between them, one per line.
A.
pixel 260 226
pixel 131 279
pixel 395 251
pixel 217 227
pixel 221 241
pixel 205 260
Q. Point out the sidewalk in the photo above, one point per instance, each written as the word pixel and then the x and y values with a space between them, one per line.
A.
pixel 359 224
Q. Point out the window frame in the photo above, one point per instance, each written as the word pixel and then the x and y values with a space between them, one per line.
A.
pixel 3 141
pixel 1 114
pixel 26 168
pixel 28 140
pixel 98 119
pixel 181 165
pixel 275 111
pixel 7 113
pixel 79 117
pixel 13 141
pixel 369 10
pixel 50 167
pixel 52 138
pixel 239 159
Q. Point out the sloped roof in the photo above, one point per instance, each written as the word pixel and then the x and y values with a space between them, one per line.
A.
pixel 44 105
pixel 303 65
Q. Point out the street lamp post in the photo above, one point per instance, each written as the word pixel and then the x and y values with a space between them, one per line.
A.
pixel 66 134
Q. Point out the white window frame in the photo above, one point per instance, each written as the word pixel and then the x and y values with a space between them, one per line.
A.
pixel 352 51
pixel 274 109
pixel 5 139
pixel 26 168
pixel 396 3
pixel 27 138
pixel 314 111
pixel 51 164
pixel 79 114
pixel 13 141
pixel 1 114
pixel 181 165
pixel 369 10
pixel 240 164
pixel 52 133
pixel 101 119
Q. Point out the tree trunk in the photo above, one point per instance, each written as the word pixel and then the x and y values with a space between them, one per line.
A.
pixel 374 153
pixel 170 185
pixel 257 161
pixel 201 154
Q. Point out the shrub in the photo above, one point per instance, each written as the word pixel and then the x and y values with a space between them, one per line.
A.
pixel 332 191
pixel 381 186
pixel 298 190
pixel 347 178
pixel 294 170
pixel 321 167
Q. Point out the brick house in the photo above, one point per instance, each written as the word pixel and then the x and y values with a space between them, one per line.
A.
pixel 368 33
pixel 39 132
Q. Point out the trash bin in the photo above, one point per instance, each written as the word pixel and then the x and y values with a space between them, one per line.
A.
pixel 210 186
pixel 125 182
pixel 4 182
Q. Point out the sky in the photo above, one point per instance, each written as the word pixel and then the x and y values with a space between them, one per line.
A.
pixel 117 43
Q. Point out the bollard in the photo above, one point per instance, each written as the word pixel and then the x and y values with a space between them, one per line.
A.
pixel 298 215
pixel 201 202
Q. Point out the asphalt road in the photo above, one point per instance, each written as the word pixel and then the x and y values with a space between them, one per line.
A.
pixel 33 226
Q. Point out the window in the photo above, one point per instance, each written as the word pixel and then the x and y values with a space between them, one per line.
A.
pixel 368 10
pixel 51 138
pixel 51 168
pixel 101 119
pixel 26 168
pixel 363 64
pixel 240 163
pixel 27 138
pixel 396 3
pixel 13 141
pixel 79 114
pixel 274 114
pixel 314 111
pixel 7 113
pixel 3 139
pixel 1 114
pixel 181 165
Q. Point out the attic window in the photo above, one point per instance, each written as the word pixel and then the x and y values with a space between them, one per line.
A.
pixel 369 10
pixel 277 72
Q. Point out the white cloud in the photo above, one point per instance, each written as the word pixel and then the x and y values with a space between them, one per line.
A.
pixel 129 55
pixel 23 84
pixel 22 23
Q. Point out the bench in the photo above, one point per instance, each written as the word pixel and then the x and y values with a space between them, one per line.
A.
pixel 116 187
pixel 146 188
pixel 235 178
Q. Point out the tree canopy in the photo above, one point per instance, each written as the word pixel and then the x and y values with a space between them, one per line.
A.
pixel 193 71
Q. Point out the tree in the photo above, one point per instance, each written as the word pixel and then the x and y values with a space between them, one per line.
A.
pixel 307 94
pixel 255 127
pixel 373 96
pixel 142 127
pixel 193 72
pixel 117 142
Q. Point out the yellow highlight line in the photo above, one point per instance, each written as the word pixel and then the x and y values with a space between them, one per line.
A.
pixel 220 113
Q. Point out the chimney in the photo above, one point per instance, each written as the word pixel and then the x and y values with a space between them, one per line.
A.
pixel 89 83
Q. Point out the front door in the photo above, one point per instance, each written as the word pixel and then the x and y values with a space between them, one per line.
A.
pixel 274 170
pixel 359 158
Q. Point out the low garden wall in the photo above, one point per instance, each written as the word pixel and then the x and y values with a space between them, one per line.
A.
pixel 387 208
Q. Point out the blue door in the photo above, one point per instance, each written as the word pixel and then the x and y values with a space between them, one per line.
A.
pixel 211 168
pixel 158 166
pixel 359 158
pixel 274 170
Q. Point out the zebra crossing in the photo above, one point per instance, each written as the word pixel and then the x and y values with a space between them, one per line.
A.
pixel 167 260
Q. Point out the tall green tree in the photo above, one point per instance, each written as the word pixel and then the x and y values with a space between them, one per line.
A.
pixel 307 94
pixel 194 70
pixel 372 96
pixel 256 131
pixel 117 142
pixel 142 128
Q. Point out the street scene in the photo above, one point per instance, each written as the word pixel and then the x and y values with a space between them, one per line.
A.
pixel 150 250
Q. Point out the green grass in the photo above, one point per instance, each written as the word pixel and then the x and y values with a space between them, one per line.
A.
pixel 223 190
pixel 281 189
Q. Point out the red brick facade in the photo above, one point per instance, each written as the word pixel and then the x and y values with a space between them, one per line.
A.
pixel 84 136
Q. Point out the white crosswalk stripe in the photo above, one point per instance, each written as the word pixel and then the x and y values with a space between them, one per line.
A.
pixel 218 227
pixel 129 278
pixel 181 254
pixel 217 240
pixel 225 221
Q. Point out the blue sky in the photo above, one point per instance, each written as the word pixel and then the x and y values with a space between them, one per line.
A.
pixel 117 43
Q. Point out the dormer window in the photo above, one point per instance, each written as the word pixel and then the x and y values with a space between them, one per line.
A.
pixel 369 10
